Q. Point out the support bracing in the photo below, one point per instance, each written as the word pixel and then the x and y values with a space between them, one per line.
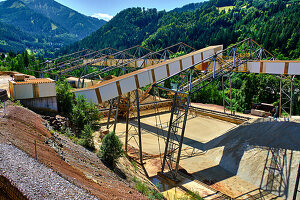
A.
pixel 139 126
pixel 227 92
pixel 177 124
pixel 286 95
pixel 113 112
pixel 133 133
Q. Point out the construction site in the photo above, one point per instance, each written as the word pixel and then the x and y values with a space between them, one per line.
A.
pixel 186 150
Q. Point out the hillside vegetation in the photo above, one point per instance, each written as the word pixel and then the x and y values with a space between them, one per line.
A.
pixel 274 23
pixel 41 25
pixel 76 23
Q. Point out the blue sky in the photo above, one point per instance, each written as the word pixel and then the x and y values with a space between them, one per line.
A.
pixel 106 9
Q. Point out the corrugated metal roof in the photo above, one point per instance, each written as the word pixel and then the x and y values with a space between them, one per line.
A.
pixel 34 81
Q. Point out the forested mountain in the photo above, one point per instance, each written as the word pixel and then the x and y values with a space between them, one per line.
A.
pixel 41 25
pixel 16 13
pixel 13 39
pixel 273 23
pixel 128 28
pixel 188 7
pixel 76 23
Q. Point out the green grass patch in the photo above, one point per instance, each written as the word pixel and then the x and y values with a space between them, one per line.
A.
pixel 145 190
pixel 190 195
pixel 226 8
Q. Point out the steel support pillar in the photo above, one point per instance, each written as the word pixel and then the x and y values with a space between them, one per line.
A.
pixel 110 112
pixel 286 95
pixel 127 123
pixel 133 129
pixel 296 190
pixel 169 133
pixel 139 126
pixel 133 124
pixel 178 120
pixel 226 85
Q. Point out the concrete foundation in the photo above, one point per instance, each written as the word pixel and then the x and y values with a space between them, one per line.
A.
pixel 44 103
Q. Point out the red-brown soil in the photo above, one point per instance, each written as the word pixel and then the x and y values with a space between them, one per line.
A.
pixel 21 127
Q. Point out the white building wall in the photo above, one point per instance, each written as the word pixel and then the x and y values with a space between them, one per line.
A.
pixel 23 91
pixel 47 89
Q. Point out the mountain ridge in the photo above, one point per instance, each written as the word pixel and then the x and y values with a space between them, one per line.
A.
pixel 73 21
pixel 46 34
pixel 214 22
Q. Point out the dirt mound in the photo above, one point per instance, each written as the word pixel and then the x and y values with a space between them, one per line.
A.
pixel 21 127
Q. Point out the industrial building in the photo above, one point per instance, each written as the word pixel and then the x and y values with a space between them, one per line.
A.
pixel 38 93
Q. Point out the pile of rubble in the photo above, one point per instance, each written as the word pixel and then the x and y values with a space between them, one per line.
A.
pixel 3 95
pixel 57 122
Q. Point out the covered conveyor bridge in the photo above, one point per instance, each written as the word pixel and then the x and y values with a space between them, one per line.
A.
pixel 121 85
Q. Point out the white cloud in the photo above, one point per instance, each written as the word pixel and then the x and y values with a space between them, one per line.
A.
pixel 106 17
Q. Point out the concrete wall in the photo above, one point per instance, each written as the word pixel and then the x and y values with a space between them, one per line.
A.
pixel 44 103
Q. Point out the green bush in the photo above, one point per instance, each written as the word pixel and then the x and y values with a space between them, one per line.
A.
pixel 86 137
pixel 111 149
pixel 64 97
pixel 142 188
pixel 18 103
pixel 83 113
pixel 68 132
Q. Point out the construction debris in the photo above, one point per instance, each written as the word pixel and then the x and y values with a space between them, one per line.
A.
pixel 57 122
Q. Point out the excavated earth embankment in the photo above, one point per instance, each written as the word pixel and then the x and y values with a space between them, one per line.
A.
pixel 76 170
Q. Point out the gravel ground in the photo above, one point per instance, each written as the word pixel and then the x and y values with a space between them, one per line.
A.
pixel 35 180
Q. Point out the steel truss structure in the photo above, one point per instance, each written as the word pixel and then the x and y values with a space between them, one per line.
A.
pixel 106 60
pixel 286 95
pixel 141 57
pixel 220 64
pixel 227 92
pixel 69 60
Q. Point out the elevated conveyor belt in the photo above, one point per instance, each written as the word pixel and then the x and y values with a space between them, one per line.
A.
pixel 279 67
pixel 121 85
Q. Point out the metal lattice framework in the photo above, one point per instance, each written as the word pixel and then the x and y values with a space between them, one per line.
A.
pixel 57 65
pixel 220 64
pixel 116 60
pixel 108 59
pixel 227 92
pixel 140 59
pixel 286 95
